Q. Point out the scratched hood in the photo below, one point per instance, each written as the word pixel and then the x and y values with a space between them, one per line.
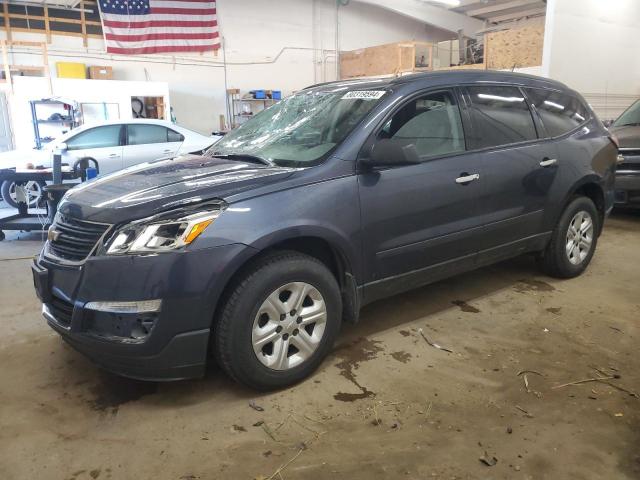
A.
pixel 151 188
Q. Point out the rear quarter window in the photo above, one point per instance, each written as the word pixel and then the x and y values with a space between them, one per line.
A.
pixel 173 136
pixel 560 112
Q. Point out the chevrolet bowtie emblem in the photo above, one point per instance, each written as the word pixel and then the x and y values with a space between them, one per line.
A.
pixel 53 234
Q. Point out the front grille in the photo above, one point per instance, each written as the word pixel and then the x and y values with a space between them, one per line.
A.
pixel 61 310
pixel 72 239
pixel 630 152
pixel 628 166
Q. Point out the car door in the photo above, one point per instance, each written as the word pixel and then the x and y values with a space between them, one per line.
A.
pixel 419 220
pixel 103 144
pixel 147 142
pixel 519 166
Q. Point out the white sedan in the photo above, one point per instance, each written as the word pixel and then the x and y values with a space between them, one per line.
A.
pixel 113 145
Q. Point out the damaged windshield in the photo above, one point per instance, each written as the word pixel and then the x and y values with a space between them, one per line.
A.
pixel 301 129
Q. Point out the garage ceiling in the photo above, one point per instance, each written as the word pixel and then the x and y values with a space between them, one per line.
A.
pixel 499 11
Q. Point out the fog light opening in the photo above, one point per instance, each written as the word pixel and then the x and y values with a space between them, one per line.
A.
pixel 142 328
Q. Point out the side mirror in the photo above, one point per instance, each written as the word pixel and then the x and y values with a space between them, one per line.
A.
pixel 387 152
pixel 62 147
pixel 608 123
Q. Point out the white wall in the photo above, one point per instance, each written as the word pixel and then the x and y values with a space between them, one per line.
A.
pixel 592 46
pixel 273 45
pixel 82 91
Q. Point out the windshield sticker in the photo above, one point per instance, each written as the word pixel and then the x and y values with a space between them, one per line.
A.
pixel 363 95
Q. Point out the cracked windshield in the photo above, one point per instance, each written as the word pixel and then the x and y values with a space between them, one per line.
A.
pixel 301 129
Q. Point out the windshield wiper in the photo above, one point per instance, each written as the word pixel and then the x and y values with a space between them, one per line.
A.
pixel 632 124
pixel 244 156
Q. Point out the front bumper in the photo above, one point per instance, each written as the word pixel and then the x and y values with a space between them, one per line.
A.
pixel 175 341
pixel 627 190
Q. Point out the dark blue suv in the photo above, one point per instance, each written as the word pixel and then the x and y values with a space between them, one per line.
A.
pixel 339 195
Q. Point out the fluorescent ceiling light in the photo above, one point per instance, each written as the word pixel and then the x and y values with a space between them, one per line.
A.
pixel 448 3
pixel 500 98
pixel 553 104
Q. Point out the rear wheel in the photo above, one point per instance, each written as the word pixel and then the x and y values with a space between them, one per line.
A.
pixel 573 241
pixel 279 321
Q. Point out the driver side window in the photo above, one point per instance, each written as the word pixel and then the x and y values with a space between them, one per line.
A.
pixel 99 137
pixel 432 123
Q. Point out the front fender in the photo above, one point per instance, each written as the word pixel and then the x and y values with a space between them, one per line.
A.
pixel 327 210
pixel 336 239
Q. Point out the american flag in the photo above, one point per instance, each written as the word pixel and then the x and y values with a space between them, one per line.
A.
pixel 134 27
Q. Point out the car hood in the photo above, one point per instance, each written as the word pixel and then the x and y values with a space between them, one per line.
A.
pixel 628 135
pixel 197 143
pixel 20 158
pixel 151 188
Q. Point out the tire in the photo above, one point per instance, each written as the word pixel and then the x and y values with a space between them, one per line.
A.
pixel 246 314
pixel 8 192
pixel 562 260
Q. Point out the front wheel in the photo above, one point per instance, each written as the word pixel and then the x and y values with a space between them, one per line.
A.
pixel 33 190
pixel 573 241
pixel 278 322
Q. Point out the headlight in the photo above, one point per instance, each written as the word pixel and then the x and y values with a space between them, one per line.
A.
pixel 161 235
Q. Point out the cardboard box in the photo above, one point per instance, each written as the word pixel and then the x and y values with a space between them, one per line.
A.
pixel 101 73
pixel 71 70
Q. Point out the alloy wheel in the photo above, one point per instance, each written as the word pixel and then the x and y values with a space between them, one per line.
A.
pixel 579 237
pixel 289 326
pixel 33 191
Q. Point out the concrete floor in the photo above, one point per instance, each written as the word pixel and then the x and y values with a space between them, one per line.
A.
pixel 384 405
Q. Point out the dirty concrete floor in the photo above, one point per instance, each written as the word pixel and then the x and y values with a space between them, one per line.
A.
pixel 386 404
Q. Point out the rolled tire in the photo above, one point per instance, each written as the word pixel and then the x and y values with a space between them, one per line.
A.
pixel 278 321
pixel 573 241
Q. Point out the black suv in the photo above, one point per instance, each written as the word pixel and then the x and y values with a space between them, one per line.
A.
pixel 626 130
pixel 339 195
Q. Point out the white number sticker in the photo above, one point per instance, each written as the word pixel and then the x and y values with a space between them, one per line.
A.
pixel 363 95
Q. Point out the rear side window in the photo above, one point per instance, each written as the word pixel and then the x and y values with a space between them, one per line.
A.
pixel 142 134
pixel 500 116
pixel 560 113
pixel 431 123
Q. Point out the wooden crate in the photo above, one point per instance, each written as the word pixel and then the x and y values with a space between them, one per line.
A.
pixel 517 47
pixel 388 59
pixel 503 50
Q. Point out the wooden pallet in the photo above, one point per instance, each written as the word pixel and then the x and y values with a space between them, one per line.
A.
pixel 10 69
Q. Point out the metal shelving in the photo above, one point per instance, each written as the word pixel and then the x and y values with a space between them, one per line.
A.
pixel 241 114
pixel 66 109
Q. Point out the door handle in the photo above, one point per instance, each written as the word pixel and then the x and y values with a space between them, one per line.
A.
pixel 466 178
pixel 167 151
pixel 547 162
pixel 113 155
